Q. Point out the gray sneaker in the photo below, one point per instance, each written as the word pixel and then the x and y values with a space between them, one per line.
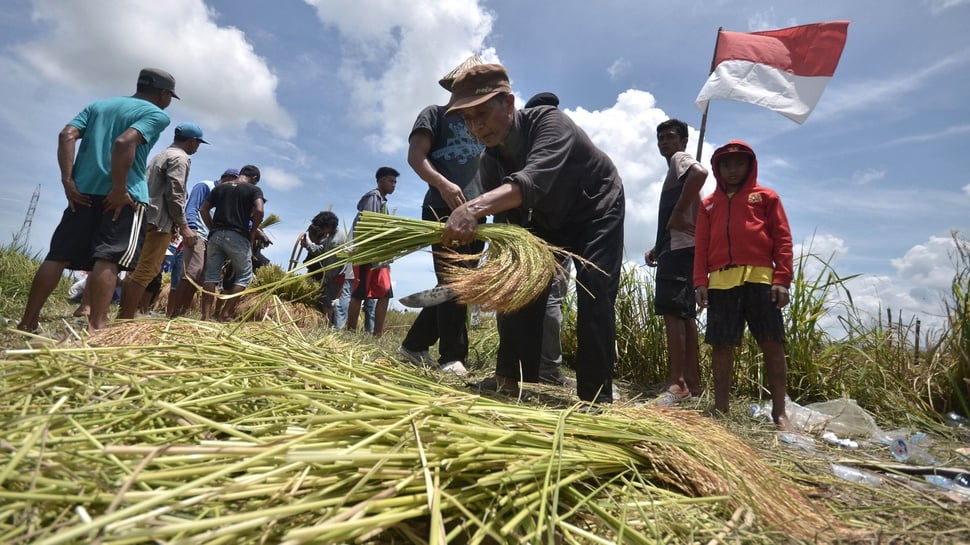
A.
pixel 419 358
pixel 557 380
pixel 456 367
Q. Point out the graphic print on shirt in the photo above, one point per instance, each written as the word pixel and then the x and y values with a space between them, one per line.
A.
pixel 460 147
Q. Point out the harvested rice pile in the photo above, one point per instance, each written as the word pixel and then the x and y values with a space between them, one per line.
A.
pixel 515 268
pixel 191 432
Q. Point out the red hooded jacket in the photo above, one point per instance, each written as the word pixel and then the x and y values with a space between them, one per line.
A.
pixel 748 228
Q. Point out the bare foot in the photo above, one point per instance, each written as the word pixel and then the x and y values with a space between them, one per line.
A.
pixel 83 310
pixel 784 424
pixel 27 328
pixel 679 391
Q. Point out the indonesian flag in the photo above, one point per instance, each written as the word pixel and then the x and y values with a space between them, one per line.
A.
pixel 783 70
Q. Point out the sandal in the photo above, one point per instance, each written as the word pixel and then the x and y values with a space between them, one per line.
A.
pixel 666 399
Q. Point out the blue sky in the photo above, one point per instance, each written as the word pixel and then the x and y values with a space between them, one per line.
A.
pixel 320 93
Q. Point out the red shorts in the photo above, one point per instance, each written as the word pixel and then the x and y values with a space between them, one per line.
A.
pixel 372 282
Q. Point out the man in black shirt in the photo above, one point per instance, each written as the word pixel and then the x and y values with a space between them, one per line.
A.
pixel 232 232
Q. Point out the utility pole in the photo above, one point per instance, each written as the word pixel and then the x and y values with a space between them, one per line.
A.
pixel 24 233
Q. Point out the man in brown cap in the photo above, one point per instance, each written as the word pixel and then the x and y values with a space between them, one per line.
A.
pixel 106 188
pixel 541 170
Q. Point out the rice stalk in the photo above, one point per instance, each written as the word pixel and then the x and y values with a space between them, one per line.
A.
pixel 255 426
pixel 514 269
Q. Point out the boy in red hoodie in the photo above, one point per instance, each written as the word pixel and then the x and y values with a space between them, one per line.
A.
pixel 742 271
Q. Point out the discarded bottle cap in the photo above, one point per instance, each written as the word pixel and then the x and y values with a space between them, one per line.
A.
pixel 905 451
pixel 900 449
pixel 962 479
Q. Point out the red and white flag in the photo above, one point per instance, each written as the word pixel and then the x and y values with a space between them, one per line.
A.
pixel 784 70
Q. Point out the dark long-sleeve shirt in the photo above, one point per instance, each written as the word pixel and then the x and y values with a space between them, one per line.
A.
pixel 565 179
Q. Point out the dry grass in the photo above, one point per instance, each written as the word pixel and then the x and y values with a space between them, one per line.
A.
pixel 190 430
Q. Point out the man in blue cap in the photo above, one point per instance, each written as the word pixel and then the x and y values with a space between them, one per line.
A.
pixel 104 181
pixel 168 175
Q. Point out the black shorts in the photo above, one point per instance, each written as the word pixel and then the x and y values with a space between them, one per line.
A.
pixel 728 311
pixel 674 294
pixel 88 234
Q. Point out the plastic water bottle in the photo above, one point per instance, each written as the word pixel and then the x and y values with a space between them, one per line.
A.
pixel 797 441
pixel 759 412
pixel 854 475
pixel 948 484
pixel 908 451
pixel 956 420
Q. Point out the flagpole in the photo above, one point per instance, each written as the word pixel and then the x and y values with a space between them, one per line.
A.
pixel 700 139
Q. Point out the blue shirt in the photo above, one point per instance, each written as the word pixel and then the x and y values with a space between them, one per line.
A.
pixel 196 197
pixel 100 124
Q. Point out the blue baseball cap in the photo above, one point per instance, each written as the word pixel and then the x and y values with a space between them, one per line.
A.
pixel 234 172
pixel 190 130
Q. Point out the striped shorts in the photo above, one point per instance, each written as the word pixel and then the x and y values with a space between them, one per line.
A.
pixel 88 234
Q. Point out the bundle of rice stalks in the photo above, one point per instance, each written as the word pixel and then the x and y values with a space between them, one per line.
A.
pixel 254 434
pixel 515 267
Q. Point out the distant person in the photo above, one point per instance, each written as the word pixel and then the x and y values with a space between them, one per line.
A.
pixel 168 175
pixel 101 229
pixel 673 256
pixel 322 236
pixel 742 271
pixel 373 280
pixel 342 307
pixel 232 229
pixel 193 258
pixel 78 293
pixel 540 165
pixel 175 264
pixel 445 155
pixel 260 242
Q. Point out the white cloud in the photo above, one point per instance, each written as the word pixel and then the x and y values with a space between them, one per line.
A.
pixel 222 80
pixel 944 134
pixel 279 179
pixel 863 177
pixel 939 6
pixel 395 54
pixel 619 68
pixel 966 189
pixel 916 292
pixel 923 280
pixel 826 246
pixel 877 94
pixel 876 296
pixel 929 264
pixel 765 20
pixel 627 133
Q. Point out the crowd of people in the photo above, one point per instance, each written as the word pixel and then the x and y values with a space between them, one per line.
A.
pixel 729 253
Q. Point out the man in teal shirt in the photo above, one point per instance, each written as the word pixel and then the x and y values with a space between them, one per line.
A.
pixel 107 191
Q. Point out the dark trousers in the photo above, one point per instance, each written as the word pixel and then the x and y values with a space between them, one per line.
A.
pixel 447 323
pixel 600 242
pixel 520 341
